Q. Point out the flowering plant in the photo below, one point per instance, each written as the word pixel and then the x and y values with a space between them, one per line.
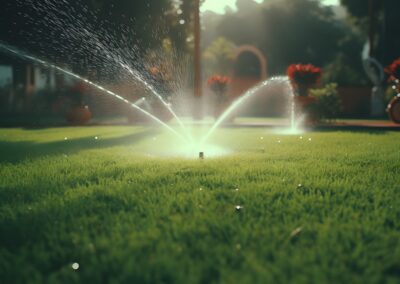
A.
pixel 218 83
pixel 393 70
pixel 304 74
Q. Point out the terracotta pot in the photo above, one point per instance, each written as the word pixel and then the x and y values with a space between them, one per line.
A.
pixel 302 90
pixel 303 106
pixel 79 115
pixel 303 102
pixel 393 109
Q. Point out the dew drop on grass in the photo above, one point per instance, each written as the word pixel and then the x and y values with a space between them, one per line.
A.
pixel 200 188
pixel 238 207
pixel 65 138
pixel 95 138
pixel 299 185
pixel 75 266
pixel 309 139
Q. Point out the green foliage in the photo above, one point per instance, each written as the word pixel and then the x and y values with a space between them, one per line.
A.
pixel 127 216
pixel 343 73
pixel 219 56
pixel 328 104
pixel 286 31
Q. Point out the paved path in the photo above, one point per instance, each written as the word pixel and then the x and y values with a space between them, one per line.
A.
pixel 339 124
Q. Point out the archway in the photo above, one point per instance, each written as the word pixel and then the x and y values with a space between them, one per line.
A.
pixel 255 59
pixel 250 68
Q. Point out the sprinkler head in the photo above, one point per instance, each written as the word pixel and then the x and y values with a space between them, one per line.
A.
pixel 201 155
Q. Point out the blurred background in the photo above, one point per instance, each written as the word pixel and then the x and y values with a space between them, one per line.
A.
pixel 247 40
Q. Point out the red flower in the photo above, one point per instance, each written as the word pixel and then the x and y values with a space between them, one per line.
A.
pixel 304 74
pixel 218 83
pixel 394 69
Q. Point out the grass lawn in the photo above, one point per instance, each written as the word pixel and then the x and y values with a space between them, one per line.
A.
pixel 324 208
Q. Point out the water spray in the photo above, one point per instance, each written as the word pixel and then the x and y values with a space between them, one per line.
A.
pixel 101 88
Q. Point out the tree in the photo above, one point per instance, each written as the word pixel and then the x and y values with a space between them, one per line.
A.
pixel 85 34
pixel 287 31
pixel 219 56
pixel 380 22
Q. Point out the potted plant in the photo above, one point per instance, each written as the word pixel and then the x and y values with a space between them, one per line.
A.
pixel 219 85
pixel 393 108
pixel 303 77
pixel 79 113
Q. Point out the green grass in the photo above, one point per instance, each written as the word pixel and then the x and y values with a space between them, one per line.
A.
pixel 127 213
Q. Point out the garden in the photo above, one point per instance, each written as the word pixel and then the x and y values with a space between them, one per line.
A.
pixel 199 141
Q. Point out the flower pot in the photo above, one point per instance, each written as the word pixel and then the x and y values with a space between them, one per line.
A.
pixel 302 90
pixel 393 109
pixel 79 115
pixel 304 107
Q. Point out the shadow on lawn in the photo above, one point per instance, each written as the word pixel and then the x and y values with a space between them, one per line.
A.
pixel 14 152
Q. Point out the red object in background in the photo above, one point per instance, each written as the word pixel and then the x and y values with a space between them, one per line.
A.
pixel 304 74
pixel 393 108
pixel 218 83
pixel 78 115
pixel 393 70
pixel 79 87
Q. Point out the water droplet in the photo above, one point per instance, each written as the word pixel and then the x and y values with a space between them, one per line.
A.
pixel 182 22
pixel 309 139
pixel 200 188
pixel 299 185
pixel 238 207
pixel 301 137
pixel 262 138
pixel 236 189
pixel 65 138
pixel 96 138
pixel 75 266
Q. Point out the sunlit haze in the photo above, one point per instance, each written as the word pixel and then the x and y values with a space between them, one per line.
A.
pixel 218 6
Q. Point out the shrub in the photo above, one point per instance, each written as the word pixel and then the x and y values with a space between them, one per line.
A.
pixel 328 104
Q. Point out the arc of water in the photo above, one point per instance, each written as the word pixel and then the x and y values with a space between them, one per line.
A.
pixel 248 94
pixel 155 93
pixel 101 88
pixel 140 78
